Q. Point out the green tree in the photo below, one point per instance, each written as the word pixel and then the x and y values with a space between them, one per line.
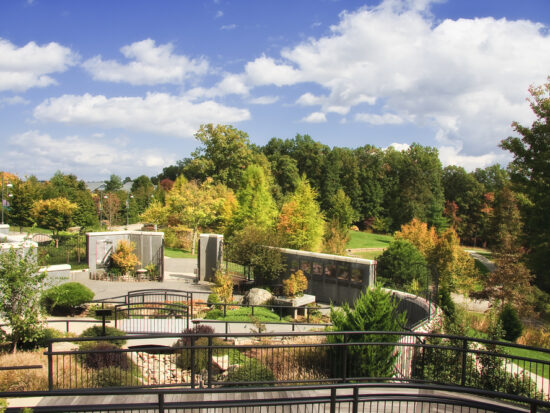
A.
pixel 224 155
pixel 255 203
pixel 20 289
pixel 55 214
pixel 199 205
pixel 114 183
pixel 374 310
pixel 142 189
pixel 402 266
pixel 68 186
pixel 301 221
pixel 156 214
pixel 24 194
pixel 530 173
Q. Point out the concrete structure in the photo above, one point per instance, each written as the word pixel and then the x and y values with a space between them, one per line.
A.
pixel 4 229
pixel 210 256
pixel 331 278
pixel 149 248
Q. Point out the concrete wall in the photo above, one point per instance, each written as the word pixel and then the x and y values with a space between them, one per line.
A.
pixel 57 274
pixel 210 256
pixel 149 248
pixel 332 278
pixel 4 229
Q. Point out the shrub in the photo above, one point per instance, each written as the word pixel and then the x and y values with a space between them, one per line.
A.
pixel 115 377
pixel 401 264
pixel 374 310
pixel 252 371
pixel 124 257
pixel 200 362
pixel 68 298
pixel 511 324
pixel 103 354
pixel 97 331
pixel 295 285
pixel 213 299
pixel 224 286
pixel 198 329
pixel 447 304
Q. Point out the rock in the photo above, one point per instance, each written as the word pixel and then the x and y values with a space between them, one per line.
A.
pixel 257 296
pixel 221 363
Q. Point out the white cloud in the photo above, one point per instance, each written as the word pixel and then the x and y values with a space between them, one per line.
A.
pixel 384 119
pixel 264 100
pixel 399 146
pixel 450 155
pixel 13 100
pixel 219 14
pixel 465 79
pixel 228 27
pixel 315 117
pixel 43 154
pixel 150 65
pixel 158 113
pixel 22 68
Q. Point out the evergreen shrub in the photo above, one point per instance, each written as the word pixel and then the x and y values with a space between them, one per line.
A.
pixel 97 331
pixel 511 324
pixel 65 299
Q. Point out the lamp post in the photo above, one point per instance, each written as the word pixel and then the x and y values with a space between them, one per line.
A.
pixel 128 207
pixel 4 186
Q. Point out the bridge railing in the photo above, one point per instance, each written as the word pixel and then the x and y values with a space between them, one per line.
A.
pixel 195 360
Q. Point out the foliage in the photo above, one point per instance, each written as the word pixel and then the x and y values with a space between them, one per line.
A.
pixel 156 213
pixel 251 246
pixel 123 257
pixel 374 310
pixel 66 298
pixel 199 360
pixel 97 331
pixel 23 196
pixel 447 304
pixel 55 214
pixel 295 284
pixel 341 211
pixel 418 233
pixel 223 287
pixel 244 314
pixel 153 271
pixel 402 265
pixel 20 288
pixel 335 238
pixel 511 324
pixel 256 204
pixel 213 299
pixel 110 205
pixel 102 354
pixel 115 376
pixel 530 173
pixel 301 221
pixel 113 184
pixel 252 371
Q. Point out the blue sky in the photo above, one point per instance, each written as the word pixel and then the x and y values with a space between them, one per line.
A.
pixel 101 87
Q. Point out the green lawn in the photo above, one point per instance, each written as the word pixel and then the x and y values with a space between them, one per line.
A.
pixel 177 253
pixel 538 368
pixel 369 255
pixel 368 240
pixel 244 314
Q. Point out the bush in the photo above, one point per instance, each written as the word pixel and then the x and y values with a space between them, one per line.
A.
pixel 124 257
pixel 97 331
pixel 401 264
pixel 252 371
pixel 511 324
pixel 115 377
pixel 198 329
pixel 103 354
pixel 295 285
pixel 213 299
pixel 200 362
pixel 374 310
pixel 68 298
pixel 224 286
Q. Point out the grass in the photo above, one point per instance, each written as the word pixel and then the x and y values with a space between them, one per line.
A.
pixel 369 255
pixel 244 314
pixel 368 240
pixel 539 369
pixel 177 253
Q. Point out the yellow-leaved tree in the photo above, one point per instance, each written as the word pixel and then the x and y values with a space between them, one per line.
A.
pixel 124 257
pixel 55 214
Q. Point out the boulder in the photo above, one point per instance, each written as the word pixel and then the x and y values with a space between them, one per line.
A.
pixel 257 296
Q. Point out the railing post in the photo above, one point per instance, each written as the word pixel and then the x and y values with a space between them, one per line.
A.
pixel 345 359
pixel 355 399
pixel 210 362
pixel 464 354
pixel 161 403
pixel 50 366
pixel 333 400
pixel 192 357
pixel 67 323
pixel 226 330
pixel 225 309
pixel 191 307
pixel 533 408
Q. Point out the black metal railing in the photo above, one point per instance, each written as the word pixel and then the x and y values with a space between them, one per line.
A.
pixel 371 397
pixel 195 360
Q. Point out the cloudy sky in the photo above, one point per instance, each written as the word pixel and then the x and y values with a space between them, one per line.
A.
pixel 101 87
